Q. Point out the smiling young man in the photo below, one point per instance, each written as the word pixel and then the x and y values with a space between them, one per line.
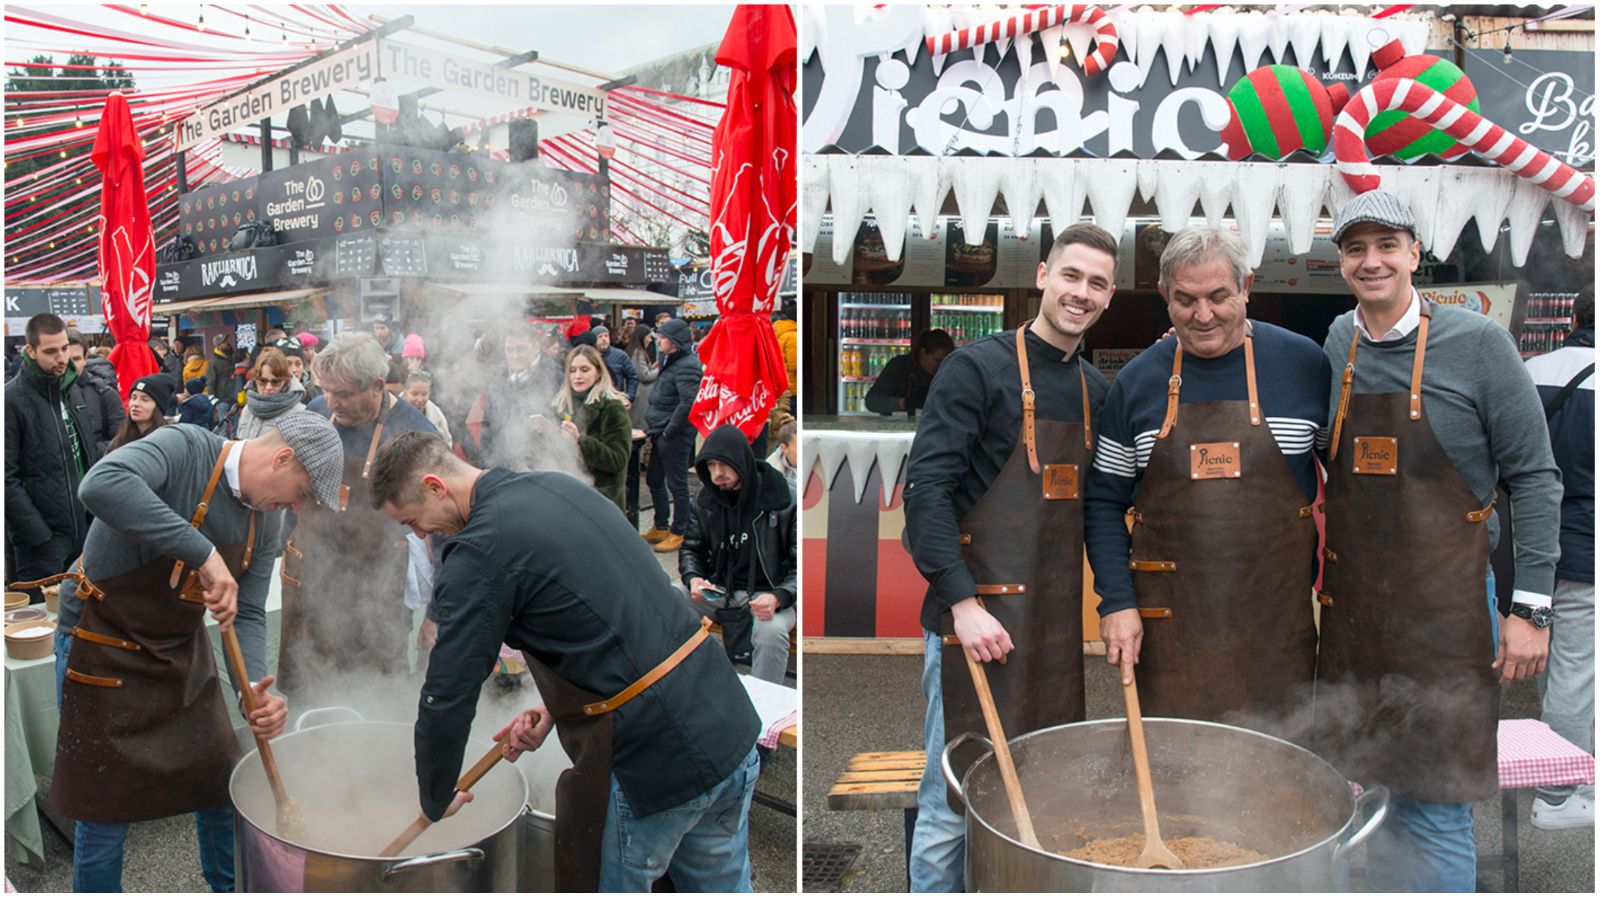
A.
pixel 1434 408
pixel 992 503
pixel 1221 475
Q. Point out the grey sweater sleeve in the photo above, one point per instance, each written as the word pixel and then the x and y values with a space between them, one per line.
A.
pixel 1520 445
pixel 122 491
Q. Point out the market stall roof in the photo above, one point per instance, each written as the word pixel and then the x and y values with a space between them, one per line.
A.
pixel 598 295
pixel 235 301
pixel 628 295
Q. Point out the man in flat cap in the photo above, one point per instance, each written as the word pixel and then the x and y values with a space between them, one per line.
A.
pixel 183 524
pixel 1431 407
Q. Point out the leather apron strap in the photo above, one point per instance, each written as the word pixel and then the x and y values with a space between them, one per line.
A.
pixel 204 506
pixel 615 702
pixel 1029 436
pixel 1176 382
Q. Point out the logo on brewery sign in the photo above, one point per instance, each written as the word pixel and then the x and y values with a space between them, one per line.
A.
pixel 301 198
pixel 228 273
pixel 616 264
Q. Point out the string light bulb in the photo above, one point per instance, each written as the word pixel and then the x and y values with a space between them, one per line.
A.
pixel 1508 49
pixel 202 25
pixel 247 26
pixel 284 26
pixel 144 9
pixel 77 121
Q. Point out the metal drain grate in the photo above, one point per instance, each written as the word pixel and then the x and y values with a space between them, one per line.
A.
pixel 823 865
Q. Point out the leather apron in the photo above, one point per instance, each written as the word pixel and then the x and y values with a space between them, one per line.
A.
pixel 1023 543
pixel 1224 547
pixel 1405 694
pixel 144 729
pixel 344 578
pixel 583 723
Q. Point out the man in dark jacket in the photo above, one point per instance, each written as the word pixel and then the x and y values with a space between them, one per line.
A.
pixel 509 434
pixel 52 439
pixel 576 593
pixel 220 383
pixel 100 377
pixel 624 377
pixel 738 558
pixel 671 437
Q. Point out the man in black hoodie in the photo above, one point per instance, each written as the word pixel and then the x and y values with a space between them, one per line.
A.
pixel 51 441
pixel 738 557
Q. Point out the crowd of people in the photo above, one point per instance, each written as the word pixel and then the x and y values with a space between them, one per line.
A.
pixel 328 459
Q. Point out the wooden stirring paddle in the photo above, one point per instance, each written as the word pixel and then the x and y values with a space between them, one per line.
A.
pixel 291 824
pixel 1002 753
pixel 1156 855
pixel 465 783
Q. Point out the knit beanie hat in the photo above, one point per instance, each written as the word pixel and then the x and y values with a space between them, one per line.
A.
pixel 160 388
pixel 413 347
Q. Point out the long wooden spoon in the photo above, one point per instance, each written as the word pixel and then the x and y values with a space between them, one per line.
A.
pixel 466 782
pixel 1156 855
pixel 291 824
pixel 1002 753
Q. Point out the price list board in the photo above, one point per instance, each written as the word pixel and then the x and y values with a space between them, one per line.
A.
pixel 354 256
pixel 71 302
pixel 404 255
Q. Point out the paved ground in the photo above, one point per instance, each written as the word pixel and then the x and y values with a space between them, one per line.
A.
pixel 161 855
pixel 838 725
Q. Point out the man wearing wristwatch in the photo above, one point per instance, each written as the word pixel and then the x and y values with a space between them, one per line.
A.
pixel 1431 407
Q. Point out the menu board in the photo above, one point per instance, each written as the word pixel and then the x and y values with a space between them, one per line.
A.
pixel 66 302
pixel 354 256
pixel 403 255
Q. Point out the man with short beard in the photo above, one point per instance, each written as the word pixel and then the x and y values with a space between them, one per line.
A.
pixel 1434 409
pixel 518 402
pixel 623 376
pixel 992 505
pixel 344 571
pixel 1221 476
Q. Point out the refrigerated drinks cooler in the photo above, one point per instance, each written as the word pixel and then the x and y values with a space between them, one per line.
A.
pixel 874 328
pixel 967 317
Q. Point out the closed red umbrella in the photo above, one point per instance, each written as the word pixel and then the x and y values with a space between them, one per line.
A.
pixel 127 243
pixel 752 220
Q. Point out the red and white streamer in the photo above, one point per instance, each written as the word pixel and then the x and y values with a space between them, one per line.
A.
pixel 1476 133
pixel 1038 19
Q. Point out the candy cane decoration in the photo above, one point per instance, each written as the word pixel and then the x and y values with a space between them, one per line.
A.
pixel 1474 131
pixel 1037 19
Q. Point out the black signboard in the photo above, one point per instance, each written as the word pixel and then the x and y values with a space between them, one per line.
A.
pixel 72 301
pixel 403 255
pixel 461 258
pixel 261 269
pixel 324 197
pixel 212 214
pixel 354 256
pixel 551 205
pixel 24 302
pixel 446 193
pixel 1545 97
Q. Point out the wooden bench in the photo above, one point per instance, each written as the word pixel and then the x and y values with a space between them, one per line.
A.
pixel 882 780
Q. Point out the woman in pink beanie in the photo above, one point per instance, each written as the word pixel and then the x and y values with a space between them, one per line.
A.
pixel 412 352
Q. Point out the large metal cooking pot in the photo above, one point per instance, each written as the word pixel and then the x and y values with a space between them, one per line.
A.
pixel 1260 792
pixel 541 769
pixel 355 783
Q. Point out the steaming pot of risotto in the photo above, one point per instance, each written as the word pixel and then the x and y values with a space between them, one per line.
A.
pixel 1244 811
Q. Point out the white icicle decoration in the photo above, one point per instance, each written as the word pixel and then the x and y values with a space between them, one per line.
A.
pixel 1363 32
pixel 1300 196
pixel 1304 33
pixel 1335 34
pixel 1528 202
pixel 1177 189
pixel 1064 191
pixel 1148 171
pixel 1019 184
pixel 1252 32
pixel 1111 185
pixel 1050 39
pixel 888 190
pixel 1277 28
pixel 1127 22
pixel 1223 30
pixel 1418 186
pixel 1463 194
pixel 1413 34
pixel 844 196
pixel 813 198
pixel 1255 193
pixel 929 187
pixel 1216 189
pixel 977 182
pixel 1152 31
pixel 1175 42
pixel 1574 224
pixel 937 20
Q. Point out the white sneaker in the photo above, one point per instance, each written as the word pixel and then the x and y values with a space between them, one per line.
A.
pixel 1577 812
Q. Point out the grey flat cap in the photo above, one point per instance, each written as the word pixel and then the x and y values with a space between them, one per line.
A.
pixel 316 445
pixel 1380 207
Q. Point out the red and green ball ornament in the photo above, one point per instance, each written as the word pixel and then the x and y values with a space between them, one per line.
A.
pixel 1399 134
pixel 1277 110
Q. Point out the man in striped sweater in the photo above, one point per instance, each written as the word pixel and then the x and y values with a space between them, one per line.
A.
pixel 1208 437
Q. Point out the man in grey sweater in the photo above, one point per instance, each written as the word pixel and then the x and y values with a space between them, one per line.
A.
pixel 1434 408
pixel 145 497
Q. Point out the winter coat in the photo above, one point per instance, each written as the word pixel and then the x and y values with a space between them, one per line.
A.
pixel 624 377
pixel 606 443
pixel 260 410
pixel 646 368
pixel 193 368
pixel 41 476
pixel 676 386
pixel 105 406
pixel 762 509
pixel 788 342
pixel 220 382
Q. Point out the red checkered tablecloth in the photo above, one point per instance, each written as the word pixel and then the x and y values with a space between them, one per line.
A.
pixel 1531 755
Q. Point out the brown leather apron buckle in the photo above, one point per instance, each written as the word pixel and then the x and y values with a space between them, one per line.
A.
pixel 96 681
pixel 613 703
pixel 1006 590
pixel 1152 566
pixel 1325 600
pixel 1306 511
pixel 107 640
pixel 966 538
pixel 1481 515
pixel 1060 482
pixel 87 589
pixel 283 572
pixel 193 591
pixel 1329 555
pixel 1135 515
pixel 1154 612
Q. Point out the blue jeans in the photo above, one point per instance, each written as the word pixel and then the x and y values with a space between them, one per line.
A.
pixel 939 842
pixel 703 843
pixel 97 847
pixel 1423 846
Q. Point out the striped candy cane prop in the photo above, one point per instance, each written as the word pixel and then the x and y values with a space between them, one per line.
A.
pixel 1037 19
pixel 1474 132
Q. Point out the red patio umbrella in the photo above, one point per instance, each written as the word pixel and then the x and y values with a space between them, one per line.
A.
pixel 752 220
pixel 127 244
